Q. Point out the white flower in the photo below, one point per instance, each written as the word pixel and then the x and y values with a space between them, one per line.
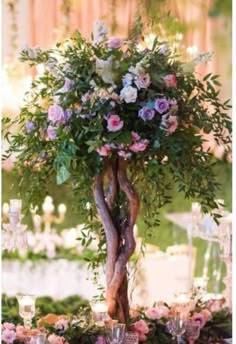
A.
pixel 127 79
pixel 129 94
pixel 100 31
pixel 104 69
pixel 137 70
pixel 32 52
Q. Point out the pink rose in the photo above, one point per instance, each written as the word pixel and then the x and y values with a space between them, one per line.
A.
pixel 56 114
pixel 199 318
pixel 54 339
pixel 170 123
pixel 8 326
pixel 141 328
pixel 215 305
pixel 51 132
pixel 135 136
pixel 170 80
pixel 20 332
pixel 143 80
pixel 61 324
pixel 8 336
pixel 104 150
pixel 114 123
pixel 206 313
pixel 152 313
pixel 114 42
pixel 86 97
pixel 158 312
pixel 100 340
pixel 139 146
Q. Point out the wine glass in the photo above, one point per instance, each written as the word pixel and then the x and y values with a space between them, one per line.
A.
pixel 116 334
pixel 176 327
pixel 26 308
pixel 192 331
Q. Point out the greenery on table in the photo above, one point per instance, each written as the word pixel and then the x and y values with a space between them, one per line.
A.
pixel 82 330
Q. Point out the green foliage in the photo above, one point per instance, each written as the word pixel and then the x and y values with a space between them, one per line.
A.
pixel 71 125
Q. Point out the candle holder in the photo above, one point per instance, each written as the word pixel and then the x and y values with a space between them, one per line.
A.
pixel 26 308
pixel 14 233
pixel 48 217
pixel 99 313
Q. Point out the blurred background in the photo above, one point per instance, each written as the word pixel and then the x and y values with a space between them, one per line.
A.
pixel 192 26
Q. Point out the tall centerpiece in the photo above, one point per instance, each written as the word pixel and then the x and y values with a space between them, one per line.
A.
pixel 120 125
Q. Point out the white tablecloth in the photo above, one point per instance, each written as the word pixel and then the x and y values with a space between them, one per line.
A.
pixel 158 277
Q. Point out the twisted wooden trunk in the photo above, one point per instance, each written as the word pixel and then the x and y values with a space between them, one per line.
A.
pixel 118 225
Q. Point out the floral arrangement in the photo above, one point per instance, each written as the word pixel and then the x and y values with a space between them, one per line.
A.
pixel 151 324
pixel 119 125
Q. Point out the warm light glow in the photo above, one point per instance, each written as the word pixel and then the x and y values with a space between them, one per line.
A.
pixel 62 208
pixel 5 208
pixel 196 207
pixel 179 36
pixel 99 307
pixel 192 50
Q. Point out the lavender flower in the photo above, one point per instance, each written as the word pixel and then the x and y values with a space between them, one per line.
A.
pixel 51 132
pixel 29 126
pixel 162 105
pixel 146 113
pixel 68 84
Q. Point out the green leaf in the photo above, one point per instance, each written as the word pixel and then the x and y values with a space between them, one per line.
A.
pixel 62 175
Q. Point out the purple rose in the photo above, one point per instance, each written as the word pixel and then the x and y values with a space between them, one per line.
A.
pixel 114 42
pixel 51 132
pixel 146 113
pixel 56 114
pixel 67 114
pixel 29 126
pixel 162 105
pixel 68 84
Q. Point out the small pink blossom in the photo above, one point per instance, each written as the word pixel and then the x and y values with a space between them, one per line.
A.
pixel 54 339
pixel 124 154
pixel 100 340
pixel 61 324
pixel 114 123
pixel 139 146
pixel 152 313
pixel 135 136
pixel 172 124
pixel 86 97
pixel 170 80
pixel 8 336
pixel 8 326
pixel 114 42
pixel 104 150
pixel 20 332
pixel 143 81
pixel 51 132
pixel 207 314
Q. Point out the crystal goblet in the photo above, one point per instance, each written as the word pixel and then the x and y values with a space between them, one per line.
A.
pixel 176 327
pixel 116 334
pixel 192 331
pixel 26 308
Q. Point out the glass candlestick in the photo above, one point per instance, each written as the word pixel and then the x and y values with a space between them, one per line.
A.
pixel 100 312
pixel 26 308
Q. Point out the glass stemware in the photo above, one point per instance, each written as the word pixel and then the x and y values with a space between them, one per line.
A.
pixel 176 327
pixel 26 308
pixel 192 331
pixel 116 334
